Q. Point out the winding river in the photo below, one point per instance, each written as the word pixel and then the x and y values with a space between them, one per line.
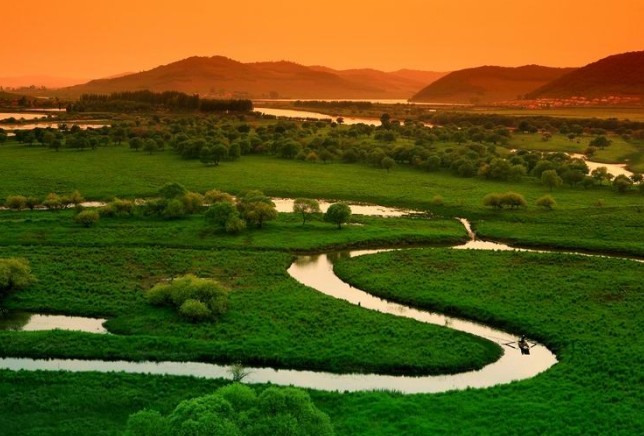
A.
pixel 315 271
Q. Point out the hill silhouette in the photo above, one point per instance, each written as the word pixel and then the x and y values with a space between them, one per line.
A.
pixel 219 76
pixel 488 84
pixel 616 75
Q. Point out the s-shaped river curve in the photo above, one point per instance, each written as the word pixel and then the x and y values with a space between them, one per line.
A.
pixel 317 272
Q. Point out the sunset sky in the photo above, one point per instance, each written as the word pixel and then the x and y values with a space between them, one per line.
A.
pixel 90 39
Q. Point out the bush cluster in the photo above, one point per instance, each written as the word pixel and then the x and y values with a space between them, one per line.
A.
pixel 196 299
pixel 15 274
pixel 510 200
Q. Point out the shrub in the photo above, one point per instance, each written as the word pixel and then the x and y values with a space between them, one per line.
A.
pixel 172 190
pixel 53 201
pixel 73 199
pixel 215 196
pixel 235 225
pixel 192 202
pixel 194 310
pixel 118 208
pixel 173 210
pixel 197 299
pixel 15 274
pixel 159 294
pixel 493 200
pixel 437 200
pixel 32 202
pixel 87 218
pixel 219 213
pixel 16 202
pixel 509 199
pixel 547 202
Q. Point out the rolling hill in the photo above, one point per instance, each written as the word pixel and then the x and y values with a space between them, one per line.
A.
pixel 488 84
pixel 219 76
pixel 617 75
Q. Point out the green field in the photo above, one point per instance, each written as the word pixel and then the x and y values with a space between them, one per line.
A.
pixel 584 308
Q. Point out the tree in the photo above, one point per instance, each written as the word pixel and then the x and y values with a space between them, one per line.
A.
pixel 173 209
pixel 306 207
pixel 387 163
pixel 256 208
pixel 622 183
pixel 600 142
pixel 192 202
pixel 15 274
pixel 338 213
pixel 237 410
pixel 173 190
pixel 220 212
pixel 600 174
pixel 150 145
pixel 551 179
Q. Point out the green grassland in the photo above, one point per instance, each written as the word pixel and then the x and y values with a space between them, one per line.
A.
pixel 587 309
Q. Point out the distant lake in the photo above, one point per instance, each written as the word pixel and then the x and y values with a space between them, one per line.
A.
pixel 291 113
pixel 20 115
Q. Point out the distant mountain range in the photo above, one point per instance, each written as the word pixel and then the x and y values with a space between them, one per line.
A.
pixel 619 75
pixel 488 84
pixel 219 76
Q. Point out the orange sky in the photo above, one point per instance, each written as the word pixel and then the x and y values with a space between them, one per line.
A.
pixel 89 39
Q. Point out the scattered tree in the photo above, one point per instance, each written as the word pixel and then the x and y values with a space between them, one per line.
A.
pixel 551 179
pixel 87 218
pixel 547 202
pixel 306 207
pixel 338 213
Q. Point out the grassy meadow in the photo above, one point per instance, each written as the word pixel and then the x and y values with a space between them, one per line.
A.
pixel 587 309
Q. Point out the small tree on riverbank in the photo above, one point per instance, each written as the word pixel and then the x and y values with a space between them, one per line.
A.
pixel 306 207
pixel 338 213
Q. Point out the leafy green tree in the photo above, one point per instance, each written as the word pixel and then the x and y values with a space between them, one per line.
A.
pixel 237 410
pixel 551 179
pixel 173 190
pixel 338 213
pixel 15 274
pixel 219 213
pixel 306 207
pixel 150 145
pixel 256 208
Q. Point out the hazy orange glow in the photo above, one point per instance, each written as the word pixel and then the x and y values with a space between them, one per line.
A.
pixel 89 39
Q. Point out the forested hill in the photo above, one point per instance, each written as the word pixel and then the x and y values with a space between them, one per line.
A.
pixel 488 84
pixel 221 77
pixel 617 75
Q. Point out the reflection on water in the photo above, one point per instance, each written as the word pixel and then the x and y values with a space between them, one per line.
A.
pixel 28 322
pixel 286 205
pixel 52 125
pixel 614 169
pixel 4 116
pixel 297 114
pixel 317 272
